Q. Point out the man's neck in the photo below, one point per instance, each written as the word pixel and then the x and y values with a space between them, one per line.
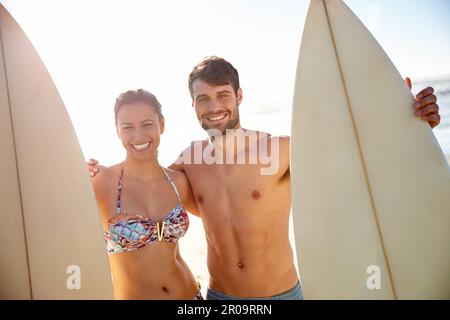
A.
pixel 233 140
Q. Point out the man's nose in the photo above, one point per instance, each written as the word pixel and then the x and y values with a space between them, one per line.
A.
pixel 214 105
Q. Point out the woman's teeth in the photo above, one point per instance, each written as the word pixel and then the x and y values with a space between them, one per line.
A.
pixel 216 117
pixel 141 146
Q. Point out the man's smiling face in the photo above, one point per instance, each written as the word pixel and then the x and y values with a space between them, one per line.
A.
pixel 216 106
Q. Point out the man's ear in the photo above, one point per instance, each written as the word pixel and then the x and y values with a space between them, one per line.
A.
pixel 161 125
pixel 239 96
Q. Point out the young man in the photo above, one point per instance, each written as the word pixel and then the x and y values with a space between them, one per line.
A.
pixel 244 205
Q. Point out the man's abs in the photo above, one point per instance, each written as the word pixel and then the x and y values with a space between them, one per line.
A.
pixel 256 265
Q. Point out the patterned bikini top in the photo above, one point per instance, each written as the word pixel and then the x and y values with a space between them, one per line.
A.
pixel 128 232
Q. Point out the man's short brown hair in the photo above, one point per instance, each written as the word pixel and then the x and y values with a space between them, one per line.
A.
pixel 215 71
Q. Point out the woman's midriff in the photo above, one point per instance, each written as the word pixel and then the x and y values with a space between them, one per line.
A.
pixel 153 272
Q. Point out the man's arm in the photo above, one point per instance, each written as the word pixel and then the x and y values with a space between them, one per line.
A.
pixel 189 200
pixel 190 204
pixel 285 156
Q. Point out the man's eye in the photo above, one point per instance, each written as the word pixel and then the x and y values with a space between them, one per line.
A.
pixel 127 128
pixel 147 125
pixel 223 96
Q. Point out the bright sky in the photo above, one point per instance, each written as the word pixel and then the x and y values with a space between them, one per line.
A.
pixel 96 49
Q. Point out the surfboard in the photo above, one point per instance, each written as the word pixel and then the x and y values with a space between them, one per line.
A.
pixel 50 231
pixel 370 184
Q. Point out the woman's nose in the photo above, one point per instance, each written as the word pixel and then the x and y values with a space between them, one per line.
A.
pixel 139 134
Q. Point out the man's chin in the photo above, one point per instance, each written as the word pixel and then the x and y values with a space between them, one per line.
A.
pixel 214 131
pixel 208 128
pixel 222 130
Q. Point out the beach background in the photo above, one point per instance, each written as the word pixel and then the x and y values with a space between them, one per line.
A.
pixel 95 50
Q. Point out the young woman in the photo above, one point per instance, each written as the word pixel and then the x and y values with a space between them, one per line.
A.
pixel 143 208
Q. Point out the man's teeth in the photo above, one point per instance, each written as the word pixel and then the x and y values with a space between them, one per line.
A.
pixel 141 146
pixel 217 117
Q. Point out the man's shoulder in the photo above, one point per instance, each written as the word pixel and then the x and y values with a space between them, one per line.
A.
pixel 268 135
pixel 284 146
pixel 284 141
pixel 185 156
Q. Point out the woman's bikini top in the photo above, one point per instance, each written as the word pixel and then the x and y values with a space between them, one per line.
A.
pixel 128 232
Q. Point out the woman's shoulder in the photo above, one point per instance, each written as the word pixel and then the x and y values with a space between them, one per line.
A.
pixel 106 176
pixel 115 169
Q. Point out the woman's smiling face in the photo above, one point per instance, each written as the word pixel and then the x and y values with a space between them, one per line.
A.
pixel 139 128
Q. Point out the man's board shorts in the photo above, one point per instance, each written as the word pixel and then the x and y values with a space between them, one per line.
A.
pixel 294 293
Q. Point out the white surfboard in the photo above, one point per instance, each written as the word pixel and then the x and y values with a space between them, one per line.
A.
pixel 370 184
pixel 50 231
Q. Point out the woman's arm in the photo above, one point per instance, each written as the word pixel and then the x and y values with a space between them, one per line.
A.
pixel 104 188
